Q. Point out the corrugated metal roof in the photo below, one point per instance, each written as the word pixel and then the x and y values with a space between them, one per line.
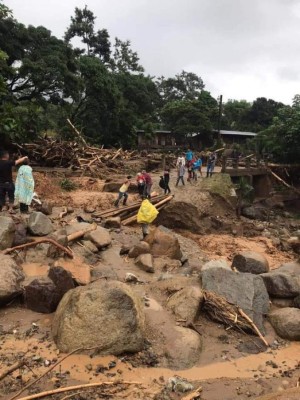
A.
pixel 237 133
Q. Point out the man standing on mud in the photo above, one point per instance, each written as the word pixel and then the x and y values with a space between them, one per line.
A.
pixel 148 184
pixel 7 187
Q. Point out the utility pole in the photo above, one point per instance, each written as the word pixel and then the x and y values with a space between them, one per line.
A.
pixel 220 116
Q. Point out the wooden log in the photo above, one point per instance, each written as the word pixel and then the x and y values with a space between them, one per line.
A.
pixel 71 388
pixel 11 369
pixel 117 154
pixel 77 132
pixel 79 234
pixel 284 183
pixel 39 241
pixel 195 395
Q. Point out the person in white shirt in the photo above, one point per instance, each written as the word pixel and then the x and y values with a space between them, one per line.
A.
pixel 180 160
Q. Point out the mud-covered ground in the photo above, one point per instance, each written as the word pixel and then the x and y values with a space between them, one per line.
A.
pixel 232 365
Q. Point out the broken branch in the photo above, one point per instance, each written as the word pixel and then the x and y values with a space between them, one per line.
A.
pixel 37 242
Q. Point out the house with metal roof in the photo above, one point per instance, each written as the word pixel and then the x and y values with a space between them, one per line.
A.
pixel 239 137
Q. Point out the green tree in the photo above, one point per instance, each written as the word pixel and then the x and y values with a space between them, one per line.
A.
pixel 184 86
pixel 282 138
pixel 234 115
pixel 83 26
pixel 124 59
pixel 186 117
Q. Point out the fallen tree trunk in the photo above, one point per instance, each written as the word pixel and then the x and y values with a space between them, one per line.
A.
pixel 11 369
pixel 71 388
pixel 37 242
pixel 285 183
pixel 79 234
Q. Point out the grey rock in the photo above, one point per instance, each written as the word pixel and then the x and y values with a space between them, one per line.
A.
pixel 7 232
pixel 112 223
pixel 90 246
pixel 282 302
pixel 296 302
pixel 215 264
pixel 145 262
pixel 140 248
pixel 41 295
pixel 166 264
pixel 39 224
pixel 106 315
pixel 60 237
pixel 244 290
pixel 100 237
pixel 249 212
pixel 62 279
pixel 284 282
pixel 163 242
pixel 250 261
pixel 46 208
pixel 11 276
pixel 76 227
pixel 186 303
pixel 20 236
pixel 286 323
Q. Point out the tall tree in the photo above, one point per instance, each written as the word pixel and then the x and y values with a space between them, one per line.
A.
pixel 282 138
pixel 184 86
pixel 83 26
pixel 185 117
pixel 124 59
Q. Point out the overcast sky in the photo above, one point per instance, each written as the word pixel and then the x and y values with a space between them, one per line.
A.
pixel 242 49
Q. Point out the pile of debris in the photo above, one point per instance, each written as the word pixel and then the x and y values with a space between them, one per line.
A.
pixel 56 153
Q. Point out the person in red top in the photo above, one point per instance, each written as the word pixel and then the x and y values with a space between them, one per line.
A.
pixel 148 184
pixel 140 183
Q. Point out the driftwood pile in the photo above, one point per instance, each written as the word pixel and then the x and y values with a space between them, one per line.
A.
pixel 128 214
pixel 74 155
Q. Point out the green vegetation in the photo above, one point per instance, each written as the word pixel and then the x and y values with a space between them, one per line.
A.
pixel 68 185
pixel 103 89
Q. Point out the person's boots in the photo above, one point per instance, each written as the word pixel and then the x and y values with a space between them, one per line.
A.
pixel 211 174
pixel 116 203
pixel 124 202
pixel 207 174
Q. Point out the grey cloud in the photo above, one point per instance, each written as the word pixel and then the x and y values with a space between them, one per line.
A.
pixel 235 45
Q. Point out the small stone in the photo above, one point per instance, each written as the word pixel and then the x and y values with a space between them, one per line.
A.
pixel 145 262
pixel 112 223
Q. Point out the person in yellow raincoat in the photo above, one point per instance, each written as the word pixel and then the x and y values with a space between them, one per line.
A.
pixel 146 215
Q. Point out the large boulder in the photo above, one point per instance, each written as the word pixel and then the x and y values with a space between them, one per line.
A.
pixel 112 223
pixel 100 237
pixel 11 276
pixel 41 295
pixel 145 262
pixel 140 248
pixel 7 232
pixel 250 261
pixel 221 263
pixel 186 303
pixel 246 291
pixel 164 243
pixel 106 315
pixel 62 279
pixel 39 224
pixel 286 322
pixel 79 271
pixel 283 282
pixel 20 236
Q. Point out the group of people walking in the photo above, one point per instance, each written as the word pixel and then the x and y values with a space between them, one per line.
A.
pixel 22 191
pixel 186 161
pixel 193 165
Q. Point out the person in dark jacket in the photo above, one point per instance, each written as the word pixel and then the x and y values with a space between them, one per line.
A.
pixel 7 187
pixel 167 180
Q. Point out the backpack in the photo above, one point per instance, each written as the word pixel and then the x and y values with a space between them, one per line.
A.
pixel 162 183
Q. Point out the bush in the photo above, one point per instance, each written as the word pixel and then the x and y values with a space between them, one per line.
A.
pixel 67 185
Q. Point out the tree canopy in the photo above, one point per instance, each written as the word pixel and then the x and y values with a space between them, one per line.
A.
pixel 102 87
